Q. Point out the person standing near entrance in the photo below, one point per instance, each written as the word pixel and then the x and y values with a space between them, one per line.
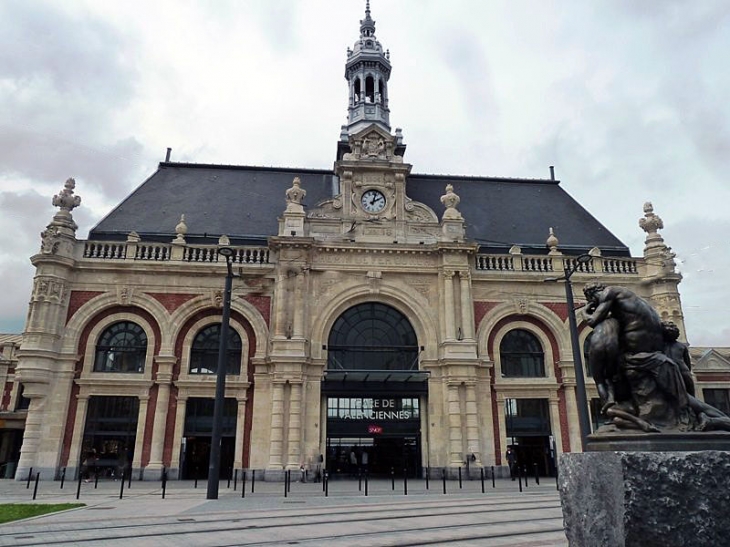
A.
pixel 353 462
pixel 512 462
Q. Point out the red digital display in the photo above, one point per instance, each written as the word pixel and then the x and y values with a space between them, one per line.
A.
pixel 375 429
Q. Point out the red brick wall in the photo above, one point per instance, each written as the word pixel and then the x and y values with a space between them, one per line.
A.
pixel 7 391
pixel 172 301
pixel 480 310
pixel 78 299
pixel 262 304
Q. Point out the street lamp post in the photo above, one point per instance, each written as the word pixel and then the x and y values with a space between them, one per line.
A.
pixel 583 419
pixel 214 464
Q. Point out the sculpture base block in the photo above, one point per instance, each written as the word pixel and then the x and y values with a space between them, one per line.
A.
pixel 646 499
pixel 659 442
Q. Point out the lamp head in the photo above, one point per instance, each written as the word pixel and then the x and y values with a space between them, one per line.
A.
pixel 226 252
pixel 584 258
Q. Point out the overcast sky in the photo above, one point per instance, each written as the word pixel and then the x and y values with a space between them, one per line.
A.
pixel 628 99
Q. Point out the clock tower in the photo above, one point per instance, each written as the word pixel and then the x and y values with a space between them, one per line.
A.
pixel 372 205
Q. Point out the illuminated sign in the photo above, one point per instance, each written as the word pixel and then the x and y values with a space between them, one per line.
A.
pixel 366 408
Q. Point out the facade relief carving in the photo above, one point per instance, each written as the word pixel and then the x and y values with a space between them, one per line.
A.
pixel 48 289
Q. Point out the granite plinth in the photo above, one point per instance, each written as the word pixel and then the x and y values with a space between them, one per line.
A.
pixel 646 499
pixel 659 442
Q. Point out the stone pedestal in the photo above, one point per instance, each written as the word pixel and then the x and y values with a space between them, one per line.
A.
pixel 646 499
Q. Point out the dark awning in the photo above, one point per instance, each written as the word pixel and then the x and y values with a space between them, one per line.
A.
pixel 385 381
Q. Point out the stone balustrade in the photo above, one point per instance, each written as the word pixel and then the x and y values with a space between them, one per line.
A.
pixel 150 251
pixel 598 265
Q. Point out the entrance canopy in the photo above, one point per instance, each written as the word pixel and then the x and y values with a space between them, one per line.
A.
pixel 391 382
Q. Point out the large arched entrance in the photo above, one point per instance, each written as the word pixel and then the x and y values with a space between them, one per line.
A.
pixel 374 393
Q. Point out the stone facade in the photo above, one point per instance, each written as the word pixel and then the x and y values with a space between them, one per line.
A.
pixel 367 242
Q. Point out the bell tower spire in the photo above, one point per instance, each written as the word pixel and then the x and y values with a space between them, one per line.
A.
pixel 367 72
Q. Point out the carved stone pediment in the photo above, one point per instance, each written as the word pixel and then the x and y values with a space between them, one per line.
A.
pixel 372 143
pixel 710 360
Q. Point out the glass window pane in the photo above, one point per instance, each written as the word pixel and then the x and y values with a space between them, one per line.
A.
pixel 122 347
pixel 521 355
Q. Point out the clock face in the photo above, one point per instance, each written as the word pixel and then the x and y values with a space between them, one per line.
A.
pixel 373 201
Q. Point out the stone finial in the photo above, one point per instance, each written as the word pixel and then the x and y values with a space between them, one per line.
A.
pixel 294 197
pixel 224 241
pixel 66 199
pixel 133 237
pixel 552 242
pixel 595 251
pixel 450 201
pixel 181 229
pixel 651 222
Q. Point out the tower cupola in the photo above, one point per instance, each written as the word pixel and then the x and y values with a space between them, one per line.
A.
pixel 367 72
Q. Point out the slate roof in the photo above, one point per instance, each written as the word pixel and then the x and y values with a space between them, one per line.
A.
pixel 245 202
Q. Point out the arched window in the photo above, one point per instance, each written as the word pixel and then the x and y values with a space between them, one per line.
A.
pixel 369 89
pixel 372 336
pixel 121 348
pixel 204 353
pixel 521 355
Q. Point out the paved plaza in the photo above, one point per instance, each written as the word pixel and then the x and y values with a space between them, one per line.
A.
pixel 502 515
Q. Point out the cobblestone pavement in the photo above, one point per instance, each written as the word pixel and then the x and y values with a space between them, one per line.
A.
pixel 465 516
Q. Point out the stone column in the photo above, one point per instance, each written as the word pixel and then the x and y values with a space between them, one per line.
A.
pixel 280 308
pixel 177 438
pixel 240 431
pixel 277 426
pixel 472 424
pixel 571 407
pixel 77 439
pixel 555 422
pixel 467 308
pixel 454 426
pixel 294 451
pixel 300 304
pixel 31 437
pixel 164 378
pixel 139 436
pixel 449 304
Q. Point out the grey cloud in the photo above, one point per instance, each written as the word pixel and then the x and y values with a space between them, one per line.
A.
pixel 62 95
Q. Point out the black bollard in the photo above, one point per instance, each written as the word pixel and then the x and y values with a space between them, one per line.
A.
pixel 366 483
pixel 286 483
pixel 557 486
pixel 519 477
pixel 63 477
pixel 524 472
pixel 30 474
pixel 326 486
pixel 493 484
pixel 243 483
pixel 129 479
pixel 427 477
pixel 392 478
pixel 35 488
pixel 405 481
pixel 230 474
pixel 195 484
pixel 121 488
pixel 96 480
pixel 537 477
pixel 481 469
pixel 235 479
pixel 359 481
pixel 459 478
pixel 324 476
pixel 253 479
pixel 443 478
pixel 78 488
pixel 164 482
pixel 196 476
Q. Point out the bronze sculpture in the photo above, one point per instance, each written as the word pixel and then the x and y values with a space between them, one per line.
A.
pixel 641 371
